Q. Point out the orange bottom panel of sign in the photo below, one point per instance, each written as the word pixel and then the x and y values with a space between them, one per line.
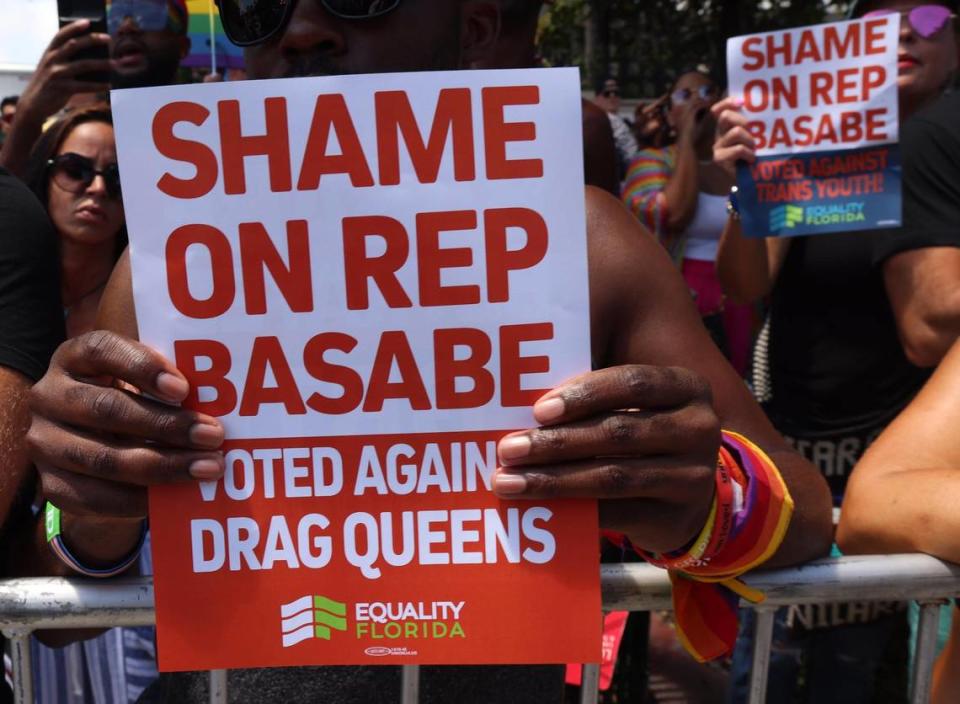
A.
pixel 370 550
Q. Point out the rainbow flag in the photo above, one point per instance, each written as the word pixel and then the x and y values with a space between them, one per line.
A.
pixel 209 48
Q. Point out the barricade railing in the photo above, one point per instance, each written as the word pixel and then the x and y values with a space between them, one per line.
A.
pixel 28 605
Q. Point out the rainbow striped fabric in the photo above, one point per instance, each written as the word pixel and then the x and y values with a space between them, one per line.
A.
pixel 747 524
pixel 643 186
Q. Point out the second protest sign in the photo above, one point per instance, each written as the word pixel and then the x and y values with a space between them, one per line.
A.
pixel 821 106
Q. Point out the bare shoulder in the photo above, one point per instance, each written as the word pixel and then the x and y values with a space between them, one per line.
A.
pixel 631 275
pixel 611 228
pixel 117 312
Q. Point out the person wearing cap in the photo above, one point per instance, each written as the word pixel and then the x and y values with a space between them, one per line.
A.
pixel 147 41
pixel 857 321
pixel 608 98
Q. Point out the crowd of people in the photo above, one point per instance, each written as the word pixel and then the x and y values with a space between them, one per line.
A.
pixel 827 365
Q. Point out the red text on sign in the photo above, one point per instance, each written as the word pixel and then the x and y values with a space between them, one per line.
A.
pixel 828 43
pixel 397 135
pixel 395 373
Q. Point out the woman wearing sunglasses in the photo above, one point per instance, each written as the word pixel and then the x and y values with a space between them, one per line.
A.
pixel 680 194
pixel 846 348
pixel 73 170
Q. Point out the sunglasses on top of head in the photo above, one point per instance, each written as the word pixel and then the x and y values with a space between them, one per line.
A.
pixel 74 173
pixel 250 22
pixel 925 20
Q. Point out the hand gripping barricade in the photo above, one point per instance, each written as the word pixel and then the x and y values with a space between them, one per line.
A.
pixel 27 605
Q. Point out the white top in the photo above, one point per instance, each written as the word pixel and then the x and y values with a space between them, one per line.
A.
pixel 703 233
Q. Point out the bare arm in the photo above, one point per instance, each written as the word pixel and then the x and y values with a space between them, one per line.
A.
pixel 904 492
pixel 923 286
pixel 662 327
pixel 748 266
pixel 14 421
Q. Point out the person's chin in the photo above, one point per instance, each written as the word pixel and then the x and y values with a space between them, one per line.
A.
pixel 146 76
pixel 129 78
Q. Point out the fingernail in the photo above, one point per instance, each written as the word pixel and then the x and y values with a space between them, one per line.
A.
pixel 509 483
pixel 738 102
pixel 548 409
pixel 514 447
pixel 206 435
pixel 206 469
pixel 173 387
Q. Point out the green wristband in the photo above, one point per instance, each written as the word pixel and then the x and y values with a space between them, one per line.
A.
pixel 52 521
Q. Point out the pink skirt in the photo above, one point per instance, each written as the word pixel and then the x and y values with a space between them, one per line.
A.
pixel 738 320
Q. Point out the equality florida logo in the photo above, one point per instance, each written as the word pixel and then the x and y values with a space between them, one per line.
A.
pixel 789 216
pixel 785 217
pixel 317 617
pixel 311 617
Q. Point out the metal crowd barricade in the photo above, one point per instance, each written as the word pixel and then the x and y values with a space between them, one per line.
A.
pixel 27 605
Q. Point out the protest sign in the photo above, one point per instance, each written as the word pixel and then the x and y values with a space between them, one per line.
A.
pixel 821 103
pixel 369 279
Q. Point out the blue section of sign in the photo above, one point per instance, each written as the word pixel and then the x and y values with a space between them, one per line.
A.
pixel 821 192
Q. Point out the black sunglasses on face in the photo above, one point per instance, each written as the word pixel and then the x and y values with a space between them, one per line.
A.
pixel 249 22
pixel 74 173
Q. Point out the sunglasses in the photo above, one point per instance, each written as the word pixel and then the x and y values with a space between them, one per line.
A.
pixel 249 22
pixel 74 173
pixel 611 94
pixel 926 20
pixel 149 15
pixel 704 92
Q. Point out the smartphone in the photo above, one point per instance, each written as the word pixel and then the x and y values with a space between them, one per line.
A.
pixel 96 12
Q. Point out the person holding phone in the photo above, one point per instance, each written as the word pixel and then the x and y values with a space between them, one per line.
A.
pixel 117 44
pixel 650 124
pixel 680 194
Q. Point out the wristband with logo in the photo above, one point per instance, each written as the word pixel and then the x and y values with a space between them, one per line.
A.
pixel 55 540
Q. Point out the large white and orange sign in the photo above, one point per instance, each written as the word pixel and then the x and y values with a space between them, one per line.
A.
pixel 369 280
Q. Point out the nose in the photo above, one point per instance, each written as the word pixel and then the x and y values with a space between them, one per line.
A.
pixel 98 186
pixel 128 26
pixel 312 30
pixel 907 35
